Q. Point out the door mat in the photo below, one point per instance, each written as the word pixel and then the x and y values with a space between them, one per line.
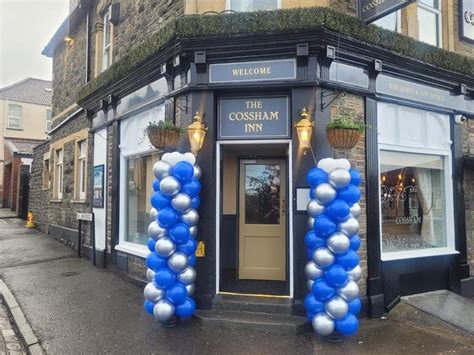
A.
pixel 447 306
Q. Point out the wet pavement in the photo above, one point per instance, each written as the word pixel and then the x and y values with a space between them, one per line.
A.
pixel 74 307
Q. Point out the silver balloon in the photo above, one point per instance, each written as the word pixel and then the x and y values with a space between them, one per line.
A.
pixel 150 275
pixel 349 291
pixel 349 227
pixel 161 169
pixel 163 311
pixel 153 293
pixel 323 257
pixel 181 202
pixel 178 262
pixel 310 222
pixel 153 214
pixel 155 231
pixel 323 324
pixel 355 274
pixel 169 186
pixel 188 276
pixel 339 178
pixel 336 308
pixel 325 193
pixel 191 217
pixel 165 247
pixel 190 289
pixel 309 284
pixel 315 208
pixel 197 172
pixel 312 271
pixel 338 243
pixel 355 210
pixel 193 231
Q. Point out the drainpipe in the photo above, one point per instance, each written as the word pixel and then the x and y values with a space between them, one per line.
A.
pixel 87 45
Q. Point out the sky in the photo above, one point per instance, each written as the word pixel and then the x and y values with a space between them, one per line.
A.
pixel 25 28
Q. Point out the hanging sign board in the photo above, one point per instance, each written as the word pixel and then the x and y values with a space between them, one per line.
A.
pixel 254 117
pixel 371 10
pixel 466 19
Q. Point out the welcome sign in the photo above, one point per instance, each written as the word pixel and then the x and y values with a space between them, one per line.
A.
pixel 254 117
pixel 284 69
pixel 371 10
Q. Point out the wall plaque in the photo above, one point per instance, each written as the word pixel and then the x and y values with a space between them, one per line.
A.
pixel 284 69
pixel 466 19
pixel 254 117
pixel 371 10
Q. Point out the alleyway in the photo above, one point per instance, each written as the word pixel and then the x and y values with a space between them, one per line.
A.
pixel 74 307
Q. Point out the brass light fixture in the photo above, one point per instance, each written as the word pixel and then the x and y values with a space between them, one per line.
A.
pixel 304 129
pixel 197 132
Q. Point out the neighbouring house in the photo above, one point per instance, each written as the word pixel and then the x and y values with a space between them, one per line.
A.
pixel 25 119
pixel 409 79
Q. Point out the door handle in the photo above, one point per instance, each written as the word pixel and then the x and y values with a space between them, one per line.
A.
pixel 283 206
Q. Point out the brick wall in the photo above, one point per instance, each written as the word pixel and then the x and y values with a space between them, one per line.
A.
pixel 39 198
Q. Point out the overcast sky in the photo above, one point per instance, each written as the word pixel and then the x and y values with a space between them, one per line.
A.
pixel 25 28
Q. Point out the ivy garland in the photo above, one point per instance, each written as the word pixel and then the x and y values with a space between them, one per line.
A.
pixel 271 22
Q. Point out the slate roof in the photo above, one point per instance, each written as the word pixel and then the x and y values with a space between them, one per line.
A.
pixel 30 90
pixel 22 146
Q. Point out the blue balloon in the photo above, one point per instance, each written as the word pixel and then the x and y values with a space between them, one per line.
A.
pixel 151 244
pixel 186 309
pixel 324 226
pixel 156 185
pixel 350 194
pixel 309 316
pixel 177 293
pixel 179 233
pixel 183 171
pixel 354 306
pixel 348 260
pixel 192 187
pixel 311 194
pixel 167 217
pixel 322 290
pixel 336 275
pixel 188 248
pixel 355 242
pixel 338 210
pixel 159 201
pixel 155 262
pixel 310 253
pixel 164 277
pixel 312 305
pixel 195 202
pixel 316 176
pixel 149 307
pixel 312 241
pixel 192 260
pixel 355 177
pixel 347 325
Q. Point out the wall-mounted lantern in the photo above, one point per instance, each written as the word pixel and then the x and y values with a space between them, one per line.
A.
pixel 304 129
pixel 197 132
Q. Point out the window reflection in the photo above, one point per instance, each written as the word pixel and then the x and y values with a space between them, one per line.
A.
pixel 146 94
pixel 253 5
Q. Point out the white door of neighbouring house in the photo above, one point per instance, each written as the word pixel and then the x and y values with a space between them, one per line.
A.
pixel 99 191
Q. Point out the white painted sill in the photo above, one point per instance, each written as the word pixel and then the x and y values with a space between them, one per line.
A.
pixel 134 249
pixel 412 254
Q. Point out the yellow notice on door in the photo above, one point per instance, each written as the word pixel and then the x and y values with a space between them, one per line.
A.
pixel 201 250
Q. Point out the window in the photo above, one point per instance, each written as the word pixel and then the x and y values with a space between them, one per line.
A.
pixel 429 21
pixel 107 40
pixel 390 22
pixel 59 174
pixel 253 5
pixel 48 120
pixel 14 116
pixel 81 169
pixel 46 176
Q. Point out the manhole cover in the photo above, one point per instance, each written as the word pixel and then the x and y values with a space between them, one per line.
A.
pixel 71 273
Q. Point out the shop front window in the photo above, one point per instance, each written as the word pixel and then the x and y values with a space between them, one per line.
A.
pixel 413 208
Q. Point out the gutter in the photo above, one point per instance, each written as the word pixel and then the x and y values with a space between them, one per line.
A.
pixel 69 117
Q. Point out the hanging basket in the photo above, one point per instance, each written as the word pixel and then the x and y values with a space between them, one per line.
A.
pixel 162 138
pixel 343 138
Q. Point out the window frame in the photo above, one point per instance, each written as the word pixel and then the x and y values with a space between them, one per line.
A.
pixel 81 170
pixel 228 4
pixel 49 118
pixel 439 21
pixel 46 173
pixel 106 47
pixel 59 172
pixel 398 14
pixel 9 126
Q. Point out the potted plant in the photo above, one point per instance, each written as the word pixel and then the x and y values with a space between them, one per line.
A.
pixel 344 132
pixel 163 134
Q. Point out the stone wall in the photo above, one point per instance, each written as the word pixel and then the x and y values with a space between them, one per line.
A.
pixel 468 149
pixel 39 197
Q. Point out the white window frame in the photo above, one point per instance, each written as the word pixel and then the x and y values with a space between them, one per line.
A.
pixel 49 118
pixel 106 48
pixel 16 117
pixel 228 4
pixel 438 13
pixel 59 173
pixel 82 168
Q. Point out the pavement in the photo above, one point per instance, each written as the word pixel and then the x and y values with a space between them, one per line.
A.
pixel 9 342
pixel 75 308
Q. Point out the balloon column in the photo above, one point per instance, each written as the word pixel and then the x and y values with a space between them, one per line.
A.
pixel 172 232
pixel 332 240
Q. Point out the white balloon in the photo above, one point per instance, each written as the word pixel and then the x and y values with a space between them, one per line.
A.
pixel 181 202
pixel 164 247
pixel 315 208
pixel 161 169
pixel 327 164
pixel 190 217
pixel 153 214
pixel 153 293
pixel 190 289
pixel 178 262
pixel 193 231
pixel 355 274
pixel 338 243
pixel 176 157
pixel 355 210
pixel 323 324
pixel 339 178
pixel 323 257
pixel 325 193
pixel 169 186
pixel 342 164
pixel 349 291
pixel 155 231
pixel 336 308
pixel 197 172
pixel 312 271
pixel 150 275
pixel 349 227
pixel 188 276
pixel 310 222
pixel 163 310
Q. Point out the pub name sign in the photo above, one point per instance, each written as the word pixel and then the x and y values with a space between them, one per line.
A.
pixel 466 19
pixel 254 117
pixel 372 10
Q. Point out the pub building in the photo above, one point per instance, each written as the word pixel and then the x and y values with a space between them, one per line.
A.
pixel 250 87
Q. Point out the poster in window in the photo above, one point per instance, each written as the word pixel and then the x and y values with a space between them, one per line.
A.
pixel 98 200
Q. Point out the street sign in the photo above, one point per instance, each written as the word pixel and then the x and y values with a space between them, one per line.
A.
pixel 84 217
pixel 371 10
